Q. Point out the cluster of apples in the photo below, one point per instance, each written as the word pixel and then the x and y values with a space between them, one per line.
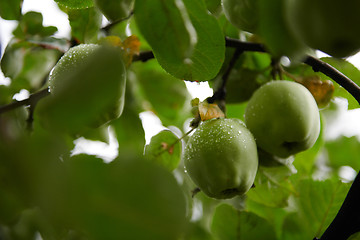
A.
pixel 281 119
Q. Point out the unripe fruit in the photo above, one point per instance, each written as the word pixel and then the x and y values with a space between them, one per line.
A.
pixel 221 158
pixel 115 9
pixel 87 88
pixel 284 118
pixel 318 24
pixel 242 14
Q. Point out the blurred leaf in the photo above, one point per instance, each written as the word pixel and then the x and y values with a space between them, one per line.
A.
pixel 88 91
pixel 10 9
pixel 197 232
pixel 106 201
pixel 164 149
pixel 241 84
pixel 274 216
pixel 272 186
pixel 129 132
pixel 236 110
pixel 274 31
pixel 97 134
pixel 28 64
pixel 31 24
pixel 348 70
pixel 317 204
pixel 214 6
pixel 343 152
pixel 231 224
pixel 76 3
pixel 355 236
pixel 182 56
pixel 85 24
pixel 115 9
pixel 168 96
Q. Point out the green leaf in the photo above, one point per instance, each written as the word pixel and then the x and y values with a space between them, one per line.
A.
pixel 272 186
pixel 214 6
pixel 348 70
pixel 342 152
pixel 76 3
pixel 127 199
pixel 209 53
pixel 168 96
pixel 317 204
pixel 10 10
pixel 175 47
pixel 85 24
pixel 164 149
pixel 231 224
pixel 197 232
pixel 31 24
pixel 129 132
pixel 167 31
pixel 28 63
pixel 88 90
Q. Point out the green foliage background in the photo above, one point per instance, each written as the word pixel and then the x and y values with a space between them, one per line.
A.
pixel 145 193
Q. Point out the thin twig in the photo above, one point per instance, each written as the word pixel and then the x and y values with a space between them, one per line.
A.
pixel 108 27
pixel 220 93
pixel 33 99
pixel 144 56
pixel 337 76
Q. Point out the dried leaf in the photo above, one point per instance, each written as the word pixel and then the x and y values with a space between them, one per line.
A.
pixel 209 111
pixel 322 90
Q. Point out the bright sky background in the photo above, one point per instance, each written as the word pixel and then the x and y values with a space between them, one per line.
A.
pixel 348 123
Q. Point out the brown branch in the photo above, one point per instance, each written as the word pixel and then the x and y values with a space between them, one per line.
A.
pixel 33 99
pixel 108 27
pixel 341 79
pixel 144 56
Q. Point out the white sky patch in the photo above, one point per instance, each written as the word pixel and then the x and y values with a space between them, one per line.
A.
pixel 199 90
pixel 107 152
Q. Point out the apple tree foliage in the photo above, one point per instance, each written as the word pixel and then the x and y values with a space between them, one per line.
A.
pixel 153 47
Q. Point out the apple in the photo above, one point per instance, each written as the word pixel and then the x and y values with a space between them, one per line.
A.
pixel 317 24
pixel 115 9
pixel 242 14
pixel 221 158
pixel 283 117
pixel 87 88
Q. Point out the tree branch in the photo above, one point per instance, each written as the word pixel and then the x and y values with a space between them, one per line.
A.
pixel 33 99
pixel 220 93
pixel 144 56
pixel 341 79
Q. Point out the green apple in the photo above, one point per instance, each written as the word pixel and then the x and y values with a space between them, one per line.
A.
pixel 87 89
pixel 331 26
pixel 221 158
pixel 115 10
pixel 242 14
pixel 284 118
